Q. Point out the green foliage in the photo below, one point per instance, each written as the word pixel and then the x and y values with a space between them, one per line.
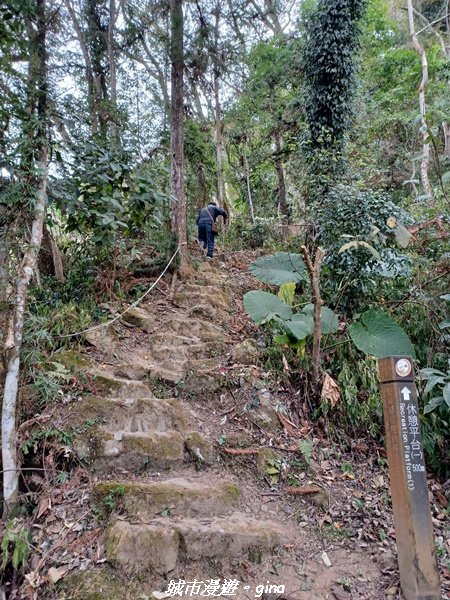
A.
pixel 16 545
pixel 440 380
pixel 372 221
pixel 360 411
pixel 54 434
pixel 377 334
pixel 111 499
pixel 201 169
pixel 261 234
pixel 263 307
pixel 106 195
pixel 279 268
pixel 329 67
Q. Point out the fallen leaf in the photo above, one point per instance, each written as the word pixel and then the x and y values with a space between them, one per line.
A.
pixel 330 390
pixel 44 505
pixel 326 560
pixel 54 575
pixel 288 425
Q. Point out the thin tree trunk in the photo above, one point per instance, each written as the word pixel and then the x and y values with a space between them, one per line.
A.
pixel 247 181
pixel 28 265
pixel 112 72
pixel 218 141
pixel 424 167
pixel 178 206
pixel 282 201
pixel 218 112
pixel 3 266
pixel 314 276
pixel 92 89
pixel 446 130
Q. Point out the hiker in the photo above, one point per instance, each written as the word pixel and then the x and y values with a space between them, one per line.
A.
pixel 207 228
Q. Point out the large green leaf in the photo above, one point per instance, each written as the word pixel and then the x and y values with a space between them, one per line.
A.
pixel 300 326
pixel 329 321
pixel 262 307
pixel 379 335
pixel 279 268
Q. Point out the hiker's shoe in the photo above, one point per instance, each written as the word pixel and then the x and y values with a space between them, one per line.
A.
pixel 209 258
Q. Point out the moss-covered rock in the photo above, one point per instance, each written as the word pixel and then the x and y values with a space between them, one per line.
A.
pixel 142 548
pixel 199 448
pixel 174 497
pixel 245 353
pixel 265 460
pixel 115 387
pixel 72 360
pixel 97 585
pixel 239 439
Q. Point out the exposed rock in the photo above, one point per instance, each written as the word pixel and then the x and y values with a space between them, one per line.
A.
pixel 96 585
pixel 238 440
pixel 131 372
pixel 156 547
pixel 199 448
pixel 179 497
pixel 141 318
pixel 141 451
pixel 70 359
pixel 141 548
pixel 264 460
pixel 262 410
pixel 201 383
pixel 245 353
pixel 201 329
pixel 104 338
pixel 114 387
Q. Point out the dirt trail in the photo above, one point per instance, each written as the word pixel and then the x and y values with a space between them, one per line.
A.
pixel 170 403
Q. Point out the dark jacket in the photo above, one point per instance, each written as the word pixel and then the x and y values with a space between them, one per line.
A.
pixel 204 217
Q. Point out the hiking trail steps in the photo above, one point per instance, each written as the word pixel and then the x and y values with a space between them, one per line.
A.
pixel 167 524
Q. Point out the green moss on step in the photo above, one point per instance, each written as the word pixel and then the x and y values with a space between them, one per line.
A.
pixel 97 585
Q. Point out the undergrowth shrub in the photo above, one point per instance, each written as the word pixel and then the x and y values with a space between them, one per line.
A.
pixel 242 235
pixel 367 222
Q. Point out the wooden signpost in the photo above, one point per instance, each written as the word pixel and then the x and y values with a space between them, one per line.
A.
pixel 412 515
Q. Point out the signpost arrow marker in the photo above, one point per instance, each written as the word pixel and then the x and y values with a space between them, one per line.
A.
pixel 406 393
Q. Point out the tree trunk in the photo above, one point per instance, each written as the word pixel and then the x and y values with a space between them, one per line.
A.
pixel 218 112
pixel 92 92
pixel 247 181
pixel 424 167
pixel 314 276
pixel 282 201
pixel 112 73
pixel 446 130
pixel 12 355
pixel 178 206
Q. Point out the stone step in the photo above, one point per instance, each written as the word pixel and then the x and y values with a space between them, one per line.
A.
pixel 117 387
pixel 159 546
pixel 194 497
pixel 201 329
pixel 172 340
pixel 131 414
pixel 171 373
pixel 193 351
pixel 188 299
pixel 136 452
pixel 109 430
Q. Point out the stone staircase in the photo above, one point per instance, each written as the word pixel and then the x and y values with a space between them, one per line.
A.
pixel 142 449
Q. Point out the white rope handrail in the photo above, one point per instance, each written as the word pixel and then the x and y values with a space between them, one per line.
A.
pixel 138 301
